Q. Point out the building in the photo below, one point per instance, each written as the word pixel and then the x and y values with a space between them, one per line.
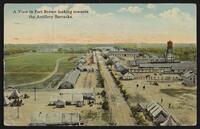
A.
pixel 157 113
pixel 70 79
pixel 189 78
pixel 67 99
pixel 54 118
pixel 125 53
pixel 174 68
pixel 83 68
pixel 118 67
pixel 108 48
pixel 88 93
pixel 127 76
pixel 136 62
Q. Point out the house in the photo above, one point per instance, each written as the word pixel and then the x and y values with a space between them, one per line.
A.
pixel 127 76
pixel 189 78
pixel 70 79
pixel 54 118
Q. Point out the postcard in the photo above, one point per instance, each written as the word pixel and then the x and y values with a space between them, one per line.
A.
pixel 100 64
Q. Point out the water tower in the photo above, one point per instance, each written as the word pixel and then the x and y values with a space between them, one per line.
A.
pixel 169 52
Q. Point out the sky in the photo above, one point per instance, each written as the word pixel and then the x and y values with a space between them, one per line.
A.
pixel 105 23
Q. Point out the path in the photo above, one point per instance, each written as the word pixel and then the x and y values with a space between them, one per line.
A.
pixel 44 79
pixel 121 113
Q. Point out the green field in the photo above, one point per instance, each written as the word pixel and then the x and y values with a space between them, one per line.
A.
pixel 30 67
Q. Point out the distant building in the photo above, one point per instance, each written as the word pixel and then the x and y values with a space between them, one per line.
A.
pixel 70 80
pixel 189 78
pixel 108 48
pixel 125 53
pixel 136 62
pixel 173 68
pixel 127 76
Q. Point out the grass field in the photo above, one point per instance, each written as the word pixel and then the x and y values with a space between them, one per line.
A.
pixel 31 67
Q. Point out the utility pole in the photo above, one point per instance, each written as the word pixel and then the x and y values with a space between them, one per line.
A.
pixel 35 93
pixel 17 112
pixel 110 115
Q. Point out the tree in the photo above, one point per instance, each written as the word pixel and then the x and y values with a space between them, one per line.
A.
pixel 103 93
pixel 110 63
pixel 105 105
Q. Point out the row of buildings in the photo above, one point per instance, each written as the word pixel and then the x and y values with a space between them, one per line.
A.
pixel 55 119
pixel 166 64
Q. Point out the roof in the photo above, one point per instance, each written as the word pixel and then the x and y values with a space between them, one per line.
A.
pixel 143 105
pixel 180 65
pixel 119 67
pixel 54 118
pixel 77 91
pixel 155 108
pixel 71 77
pixel 188 74
pixel 128 74
pixel 71 97
pixel 124 52
pixel 157 65
pixel 184 65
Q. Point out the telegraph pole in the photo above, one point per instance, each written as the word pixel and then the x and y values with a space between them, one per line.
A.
pixel 17 112
pixel 35 93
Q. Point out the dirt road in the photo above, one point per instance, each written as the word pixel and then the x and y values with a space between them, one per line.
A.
pixel 120 111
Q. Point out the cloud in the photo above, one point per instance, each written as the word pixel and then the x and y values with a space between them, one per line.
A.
pixel 61 7
pixel 175 13
pixel 150 15
pixel 131 9
pixel 107 14
pixel 151 6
